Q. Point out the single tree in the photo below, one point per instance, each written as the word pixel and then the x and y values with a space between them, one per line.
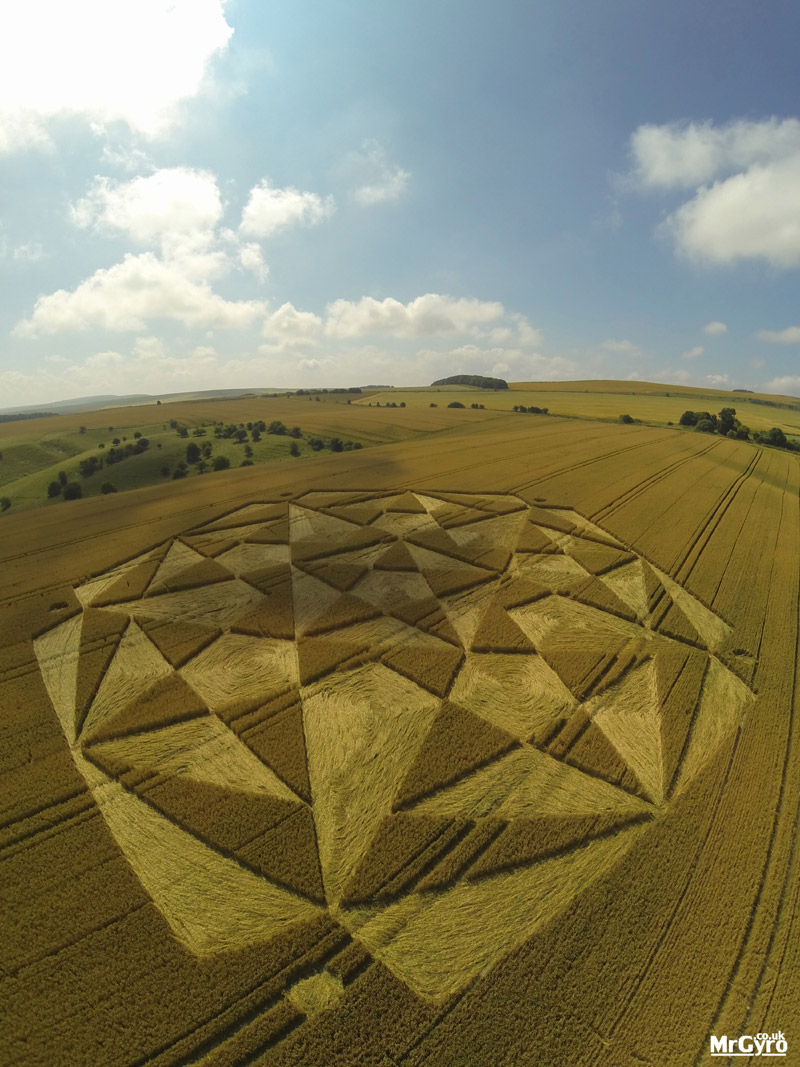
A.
pixel 62 477
pixel 192 452
pixel 108 487
pixel 54 489
pixel 5 503
pixel 294 449
pixel 221 463
pixel 727 420
pixel 72 491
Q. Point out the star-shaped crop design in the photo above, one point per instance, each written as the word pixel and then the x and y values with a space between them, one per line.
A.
pixel 437 716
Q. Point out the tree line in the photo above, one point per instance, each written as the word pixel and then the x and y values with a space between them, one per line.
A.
pixel 726 423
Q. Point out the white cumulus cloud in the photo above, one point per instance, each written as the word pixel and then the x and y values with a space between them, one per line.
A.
pixel 789 385
pixel 289 328
pixel 714 328
pixel 789 336
pixel 745 177
pixel 693 353
pixel 103 62
pixel 425 316
pixel 175 206
pixel 686 155
pixel 270 209
pixel 140 288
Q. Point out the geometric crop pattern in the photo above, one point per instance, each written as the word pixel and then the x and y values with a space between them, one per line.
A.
pixel 437 716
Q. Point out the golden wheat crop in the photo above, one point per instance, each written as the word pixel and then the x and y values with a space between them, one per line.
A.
pixel 417 756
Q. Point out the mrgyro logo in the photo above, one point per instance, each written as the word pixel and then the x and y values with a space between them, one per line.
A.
pixel 747 1045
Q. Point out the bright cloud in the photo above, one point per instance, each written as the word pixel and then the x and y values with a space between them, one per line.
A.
pixel 685 155
pixel 175 206
pixel 289 328
pixel 751 211
pixel 622 348
pixel 753 215
pixel 104 62
pixel 693 353
pixel 789 336
pixel 382 181
pixel 142 287
pixel 426 316
pixel 714 328
pixel 786 386
pixel 269 209
pixel 251 258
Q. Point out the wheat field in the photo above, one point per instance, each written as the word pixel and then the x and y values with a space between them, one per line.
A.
pixel 479 749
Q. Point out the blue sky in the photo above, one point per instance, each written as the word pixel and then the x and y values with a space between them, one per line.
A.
pixel 196 194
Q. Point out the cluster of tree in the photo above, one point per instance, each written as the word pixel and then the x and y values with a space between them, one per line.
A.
pixel 477 407
pixel 392 404
pixel 724 423
pixel 336 444
pixel 116 455
pixel 728 425
pixel 64 488
pixel 92 464
pixel 16 417
pixel 531 410
pixel 277 427
pixel 479 380
pixel 455 404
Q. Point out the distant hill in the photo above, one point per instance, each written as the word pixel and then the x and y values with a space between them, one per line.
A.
pixel 478 380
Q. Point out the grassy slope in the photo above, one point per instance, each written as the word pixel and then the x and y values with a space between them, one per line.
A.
pixel 35 451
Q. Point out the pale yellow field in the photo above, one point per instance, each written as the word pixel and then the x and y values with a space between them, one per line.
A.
pixel 602 400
